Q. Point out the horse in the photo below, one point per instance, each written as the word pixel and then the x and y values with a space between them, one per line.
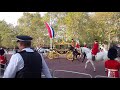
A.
pixel 75 52
pixel 99 56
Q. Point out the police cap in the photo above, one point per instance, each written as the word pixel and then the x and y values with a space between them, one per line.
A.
pixel 23 38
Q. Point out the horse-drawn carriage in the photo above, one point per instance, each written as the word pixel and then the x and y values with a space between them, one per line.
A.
pixel 61 49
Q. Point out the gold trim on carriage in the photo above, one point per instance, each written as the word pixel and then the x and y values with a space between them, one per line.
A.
pixel 60 49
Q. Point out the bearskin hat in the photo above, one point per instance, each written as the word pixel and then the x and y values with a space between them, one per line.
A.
pixel 112 53
pixel 2 51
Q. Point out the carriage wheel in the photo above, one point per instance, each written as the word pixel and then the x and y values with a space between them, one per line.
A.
pixel 56 55
pixel 50 55
pixel 69 55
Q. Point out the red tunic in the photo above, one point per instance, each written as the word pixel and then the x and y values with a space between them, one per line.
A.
pixel 112 67
pixel 85 45
pixel 77 45
pixel 2 59
pixel 95 48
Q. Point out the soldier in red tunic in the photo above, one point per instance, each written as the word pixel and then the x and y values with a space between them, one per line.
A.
pixel 95 49
pixel 85 45
pixel 112 66
pixel 77 45
pixel 2 58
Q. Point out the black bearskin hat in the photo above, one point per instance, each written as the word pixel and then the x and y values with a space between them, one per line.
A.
pixel 112 53
pixel 2 51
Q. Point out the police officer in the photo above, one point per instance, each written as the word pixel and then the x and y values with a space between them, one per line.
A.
pixel 27 63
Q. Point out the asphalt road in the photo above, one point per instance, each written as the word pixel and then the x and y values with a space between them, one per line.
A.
pixel 62 63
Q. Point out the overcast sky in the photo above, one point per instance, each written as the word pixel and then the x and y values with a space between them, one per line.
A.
pixel 12 17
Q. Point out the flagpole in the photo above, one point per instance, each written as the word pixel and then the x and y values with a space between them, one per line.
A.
pixel 50 43
pixel 50 38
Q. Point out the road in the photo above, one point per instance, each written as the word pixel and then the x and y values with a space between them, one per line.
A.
pixel 62 63
pixel 77 66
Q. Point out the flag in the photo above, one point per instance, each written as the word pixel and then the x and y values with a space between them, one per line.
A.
pixel 53 32
pixel 50 30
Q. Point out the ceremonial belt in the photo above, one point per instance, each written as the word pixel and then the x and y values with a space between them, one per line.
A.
pixel 112 70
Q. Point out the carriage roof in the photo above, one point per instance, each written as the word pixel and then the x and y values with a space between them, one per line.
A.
pixel 62 43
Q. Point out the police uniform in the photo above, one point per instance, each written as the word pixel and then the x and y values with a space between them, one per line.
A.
pixel 17 65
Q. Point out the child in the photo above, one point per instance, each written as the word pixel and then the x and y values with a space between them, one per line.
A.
pixel 112 66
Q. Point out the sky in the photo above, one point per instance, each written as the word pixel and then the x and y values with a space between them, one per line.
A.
pixel 12 17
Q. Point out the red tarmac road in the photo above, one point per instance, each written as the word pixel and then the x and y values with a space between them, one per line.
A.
pixel 62 63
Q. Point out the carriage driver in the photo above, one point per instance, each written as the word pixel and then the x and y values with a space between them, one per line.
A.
pixel 73 43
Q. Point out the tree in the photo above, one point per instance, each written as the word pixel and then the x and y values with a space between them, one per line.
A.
pixel 32 25
pixel 6 34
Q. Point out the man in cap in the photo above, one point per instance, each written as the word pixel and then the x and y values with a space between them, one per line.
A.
pixel 26 63
pixel 112 66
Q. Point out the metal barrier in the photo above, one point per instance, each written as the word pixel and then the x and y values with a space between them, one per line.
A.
pixel 100 76
pixel 73 72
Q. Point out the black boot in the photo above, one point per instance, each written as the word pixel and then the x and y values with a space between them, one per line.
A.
pixel 84 55
pixel 93 58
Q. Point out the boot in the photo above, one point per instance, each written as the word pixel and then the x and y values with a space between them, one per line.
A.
pixel 93 58
pixel 84 55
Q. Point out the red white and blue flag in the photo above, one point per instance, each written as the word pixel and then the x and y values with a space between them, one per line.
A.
pixel 50 30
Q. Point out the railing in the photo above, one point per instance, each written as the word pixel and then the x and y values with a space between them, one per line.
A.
pixel 85 75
